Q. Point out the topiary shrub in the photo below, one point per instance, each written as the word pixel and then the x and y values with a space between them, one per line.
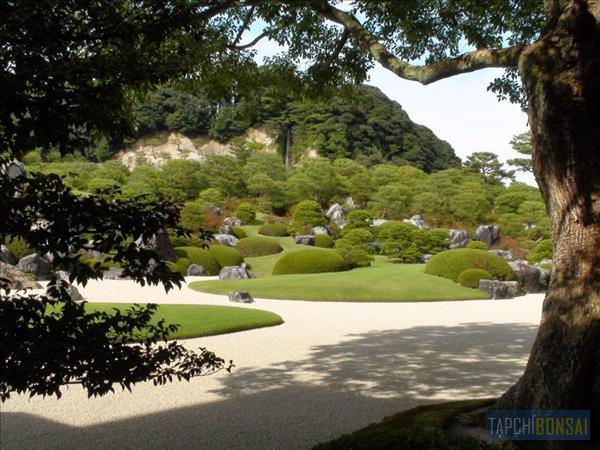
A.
pixel 543 250
pixel 358 219
pixel 477 245
pixel 181 266
pixel 239 232
pixel 470 277
pixel 200 256
pixel 226 256
pixel 258 246
pixel 451 263
pixel 245 212
pixel 273 229
pixel 324 241
pixel 310 261
pixel 307 213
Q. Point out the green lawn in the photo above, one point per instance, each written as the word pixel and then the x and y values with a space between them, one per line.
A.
pixel 203 320
pixel 383 282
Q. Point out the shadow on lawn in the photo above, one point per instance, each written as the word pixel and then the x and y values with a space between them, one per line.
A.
pixel 337 389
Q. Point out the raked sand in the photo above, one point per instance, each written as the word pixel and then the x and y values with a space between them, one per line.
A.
pixel 329 369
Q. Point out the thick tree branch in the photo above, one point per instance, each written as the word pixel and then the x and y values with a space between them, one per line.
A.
pixel 253 42
pixel 244 26
pixel 467 62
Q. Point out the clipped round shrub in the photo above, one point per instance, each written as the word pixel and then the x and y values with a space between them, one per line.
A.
pixel 200 256
pixel 245 212
pixel 307 213
pixel 186 241
pixel 310 261
pixel 181 266
pixel 324 241
pixel 451 263
pixel 258 246
pixel 273 229
pixel 477 245
pixel 239 232
pixel 470 277
pixel 226 256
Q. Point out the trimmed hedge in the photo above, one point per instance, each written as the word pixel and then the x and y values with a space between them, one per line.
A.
pixel 273 229
pixel 324 241
pixel 239 232
pixel 451 263
pixel 258 246
pixel 181 266
pixel 226 256
pixel 470 277
pixel 477 245
pixel 310 261
pixel 200 256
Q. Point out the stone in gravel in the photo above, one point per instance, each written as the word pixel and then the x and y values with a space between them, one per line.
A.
pixel 530 277
pixel 458 238
pixel 500 289
pixel 490 234
pixel 225 239
pixel 17 279
pixel 320 230
pixel 36 265
pixel 240 297
pixel 73 292
pixel 195 270
pixel 235 273
pixel 304 239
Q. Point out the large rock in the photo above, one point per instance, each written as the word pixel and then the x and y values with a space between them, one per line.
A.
pixel 500 289
pixel 335 212
pixel 6 256
pixel 530 277
pixel 240 297
pixel 232 222
pixel 161 244
pixel 417 221
pixel 490 234
pixel 427 257
pixel 114 273
pixel 235 273
pixel 458 238
pixel 36 265
pixel 17 279
pixel 226 229
pixel 506 255
pixel 379 222
pixel 320 230
pixel 349 203
pixel 225 239
pixel 72 291
pixel 304 239
pixel 195 270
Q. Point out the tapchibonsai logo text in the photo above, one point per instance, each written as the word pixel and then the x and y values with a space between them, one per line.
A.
pixel 540 425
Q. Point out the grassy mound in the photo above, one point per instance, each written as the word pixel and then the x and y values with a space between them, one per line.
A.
pixel 200 256
pixel 310 261
pixel 324 241
pixel 451 263
pixel 239 232
pixel 470 278
pixel 273 229
pixel 226 256
pixel 258 246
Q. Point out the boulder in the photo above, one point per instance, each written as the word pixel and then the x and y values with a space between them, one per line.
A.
pixel 196 270
pixel 304 239
pixel 114 273
pixel 17 279
pixel 417 221
pixel 349 203
pixel 544 263
pixel 235 273
pixel 225 239
pixel 36 265
pixel 426 257
pixel 500 289
pixel 226 229
pixel 335 212
pixel 458 238
pixel 530 277
pixel 320 230
pixel 6 256
pixel 506 255
pixel 240 297
pixel 490 234
pixel 379 222
pixel 161 244
pixel 73 292
pixel 232 222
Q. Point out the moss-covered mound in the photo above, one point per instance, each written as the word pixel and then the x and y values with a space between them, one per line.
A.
pixel 200 256
pixel 273 229
pixel 239 232
pixel 226 256
pixel 310 261
pixel 258 246
pixel 324 241
pixel 470 277
pixel 451 263
pixel 477 245
pixel 181 266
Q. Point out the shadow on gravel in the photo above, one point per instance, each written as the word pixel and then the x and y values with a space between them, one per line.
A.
pixel 343 387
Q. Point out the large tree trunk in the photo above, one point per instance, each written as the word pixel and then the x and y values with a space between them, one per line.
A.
pixel 561 76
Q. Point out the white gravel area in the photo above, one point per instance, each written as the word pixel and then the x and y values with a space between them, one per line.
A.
pixel 329 369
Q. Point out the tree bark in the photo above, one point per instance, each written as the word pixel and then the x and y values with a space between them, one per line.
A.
pixel 561 76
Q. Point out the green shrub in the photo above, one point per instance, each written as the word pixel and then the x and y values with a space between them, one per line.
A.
pixel 324 241
pixel 186 241
pixel 438 240
pixel 451 263
pixel 543 250
pixel 310 261
pixel 258 246
pixel 403 242
pixel 307 213
pixel 353 247
pixel 273 229
pixel 19 247
pixel 200 256
pixel 226 256
pixel 181 266
pixel 477 245
pixel 470 277
pixel 245 212
pixel 192 216
pixel 239 232
pixel 32 157
pixel 358 219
